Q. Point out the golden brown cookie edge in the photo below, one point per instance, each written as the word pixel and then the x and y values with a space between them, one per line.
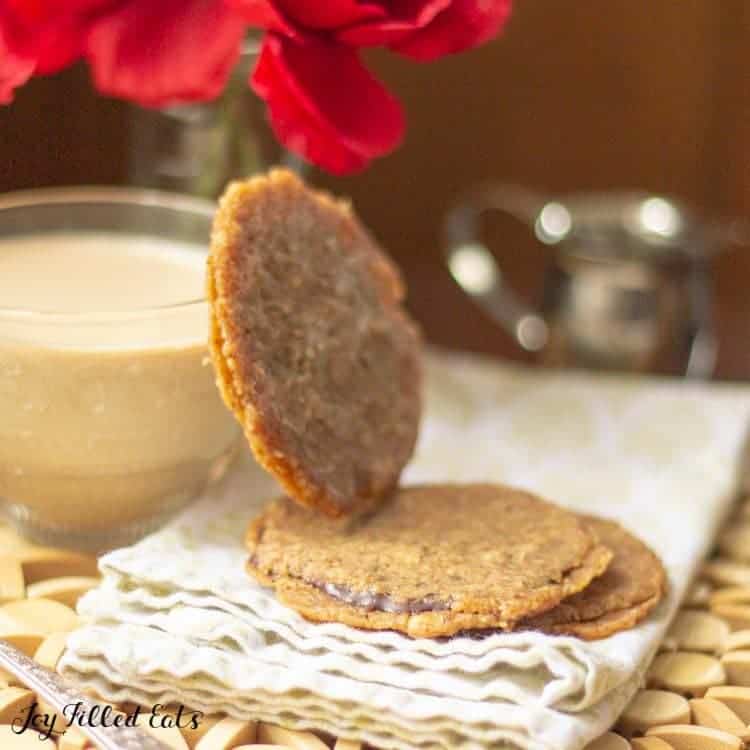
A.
pixel 609 623
pixel 572 619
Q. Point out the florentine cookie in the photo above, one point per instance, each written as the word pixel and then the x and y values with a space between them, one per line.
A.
pixel 631 587
pixel 313 351
pixel 434 560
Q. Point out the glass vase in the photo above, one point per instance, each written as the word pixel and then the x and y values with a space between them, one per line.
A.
pixel 197 148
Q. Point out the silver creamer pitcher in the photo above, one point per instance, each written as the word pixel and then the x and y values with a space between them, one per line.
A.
pixel 628 286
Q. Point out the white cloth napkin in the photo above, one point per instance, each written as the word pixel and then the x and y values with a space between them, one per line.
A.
pixel 177 619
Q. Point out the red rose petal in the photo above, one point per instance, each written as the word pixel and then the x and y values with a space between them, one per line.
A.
pixel 325 105
pixel 295 127
pixel 57 44
pixel 44 11
pixel 165 52
pixel 52 33
pixel 295 17
pixel 464 24
pixel 330 14
pixel 14 70
pixel 403 20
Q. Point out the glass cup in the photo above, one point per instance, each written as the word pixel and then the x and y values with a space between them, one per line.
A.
pixel 111 421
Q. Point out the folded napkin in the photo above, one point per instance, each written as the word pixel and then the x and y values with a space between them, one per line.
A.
pixel 176 618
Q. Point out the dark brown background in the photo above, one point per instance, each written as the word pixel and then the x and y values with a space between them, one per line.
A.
pixel 575 95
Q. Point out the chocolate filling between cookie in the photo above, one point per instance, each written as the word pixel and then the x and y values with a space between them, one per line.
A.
pixel 375 602
pixel 369 601
pixel 372 602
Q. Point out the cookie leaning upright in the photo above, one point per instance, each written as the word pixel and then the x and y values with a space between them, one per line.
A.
pixel 313 350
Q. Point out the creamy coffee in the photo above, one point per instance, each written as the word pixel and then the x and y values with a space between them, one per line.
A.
pixel 110 414
pixel 91 272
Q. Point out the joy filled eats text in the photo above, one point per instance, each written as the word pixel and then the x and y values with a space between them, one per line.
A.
pixel 95 715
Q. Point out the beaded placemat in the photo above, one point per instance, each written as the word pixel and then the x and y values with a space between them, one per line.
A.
pixel 697 695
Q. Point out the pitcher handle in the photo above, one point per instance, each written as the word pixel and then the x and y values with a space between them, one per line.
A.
pixel 474 268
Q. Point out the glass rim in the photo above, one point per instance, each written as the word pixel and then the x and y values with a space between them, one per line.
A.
pixel 103 194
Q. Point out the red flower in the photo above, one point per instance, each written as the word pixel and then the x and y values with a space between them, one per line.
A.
pixel 171 50
pixel 323 103
pixel 421 29
pixel 15 69
pixel 339 123
pixel 153 53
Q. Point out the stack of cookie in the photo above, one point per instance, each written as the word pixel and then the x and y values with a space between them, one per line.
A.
pixel 321 364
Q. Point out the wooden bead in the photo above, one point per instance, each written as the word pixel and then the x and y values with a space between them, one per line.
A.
pixel 737 667
pixel 169 736
pixel 29 740
pixel 609 741
pixel 270 734
pixel 737 616
pixel 726 572
pixel 698 631
pixel 14 702
pixel 50 650
pixel 686 673
pixel 651 708
pixel 67 590
pixel 205 723
pixel 650 743
pixel 228 733
pixel 730 595
pixel 72 740
pixel 40 563
pixel 737 698
pixel 182 720
pixel 347 745
pixel 23 639
pixel 688 737
pixel 734 542
pixel 738 640
pixel 12 584
pixel 708 712
pixel 42 616
pixel 181 716
pixel 7 622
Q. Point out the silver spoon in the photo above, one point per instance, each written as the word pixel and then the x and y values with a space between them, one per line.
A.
pixel 58 693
